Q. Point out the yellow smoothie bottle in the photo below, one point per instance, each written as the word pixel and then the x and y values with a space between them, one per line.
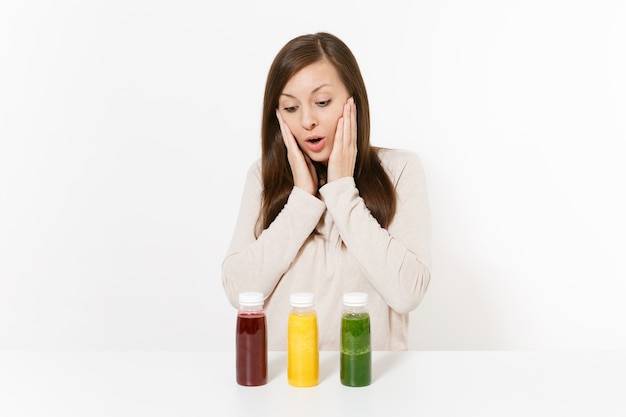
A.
pixel 302 344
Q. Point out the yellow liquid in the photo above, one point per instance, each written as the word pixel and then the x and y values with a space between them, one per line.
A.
pixel 302 350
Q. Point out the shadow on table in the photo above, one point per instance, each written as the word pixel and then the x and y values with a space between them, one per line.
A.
pixel 276 366
pixel 383 362
pixel 328 365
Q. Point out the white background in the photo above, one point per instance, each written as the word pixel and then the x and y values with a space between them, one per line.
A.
pixel 127 127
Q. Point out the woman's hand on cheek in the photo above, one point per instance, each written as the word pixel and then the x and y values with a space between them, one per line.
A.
pixel 343 156
pixel 304 174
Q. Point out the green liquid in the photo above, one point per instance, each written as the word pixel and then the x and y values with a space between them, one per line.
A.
pixel 356 354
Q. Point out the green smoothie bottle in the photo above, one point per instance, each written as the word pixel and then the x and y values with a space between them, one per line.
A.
pixel 356 351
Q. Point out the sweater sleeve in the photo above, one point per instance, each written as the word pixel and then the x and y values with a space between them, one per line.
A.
pixel 396 261
pixel 257 264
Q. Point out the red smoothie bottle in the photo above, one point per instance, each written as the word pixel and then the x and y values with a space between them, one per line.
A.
pixel 251 340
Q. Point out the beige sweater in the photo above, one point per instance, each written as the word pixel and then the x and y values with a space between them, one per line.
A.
pixel 349 252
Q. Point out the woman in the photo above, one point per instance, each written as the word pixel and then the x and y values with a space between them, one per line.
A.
pixel 325 212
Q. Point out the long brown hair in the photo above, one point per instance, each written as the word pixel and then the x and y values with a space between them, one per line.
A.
pixel 370 177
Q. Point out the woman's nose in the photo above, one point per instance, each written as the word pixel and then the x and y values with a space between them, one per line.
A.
pixel 309 120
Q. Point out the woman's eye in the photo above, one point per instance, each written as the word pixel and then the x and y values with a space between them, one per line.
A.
pixel 323 103
pixel 290 109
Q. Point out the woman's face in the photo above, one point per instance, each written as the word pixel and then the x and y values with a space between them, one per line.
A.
pixel 311 104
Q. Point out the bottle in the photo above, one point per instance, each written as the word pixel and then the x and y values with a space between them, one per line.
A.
pixel 302 342
pixel 251 340
pixel 356 352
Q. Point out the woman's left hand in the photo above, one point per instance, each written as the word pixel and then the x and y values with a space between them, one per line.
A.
pixel 343 156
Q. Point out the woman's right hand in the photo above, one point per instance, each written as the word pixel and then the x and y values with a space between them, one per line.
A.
pixel 304 174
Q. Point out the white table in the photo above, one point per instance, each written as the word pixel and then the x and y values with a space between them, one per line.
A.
pixel 420 384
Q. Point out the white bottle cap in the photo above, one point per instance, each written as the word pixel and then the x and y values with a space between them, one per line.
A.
pixel 251 299
pixel 302 299
pixel 355 299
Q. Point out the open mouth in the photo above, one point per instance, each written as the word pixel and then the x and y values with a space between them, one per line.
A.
pixel 315 143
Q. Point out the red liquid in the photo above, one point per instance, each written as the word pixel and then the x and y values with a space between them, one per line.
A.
pixel 251 346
